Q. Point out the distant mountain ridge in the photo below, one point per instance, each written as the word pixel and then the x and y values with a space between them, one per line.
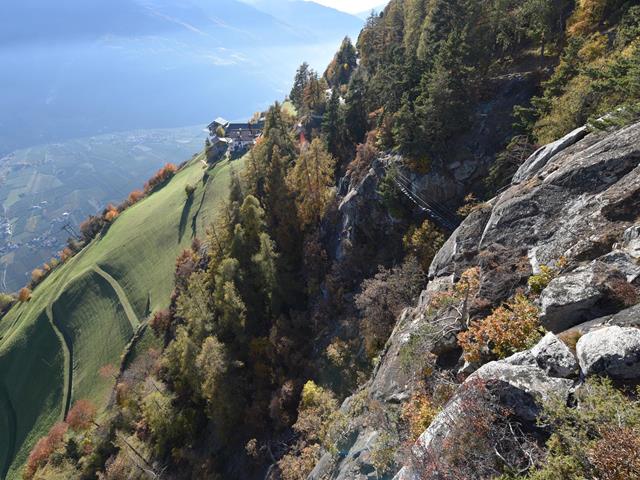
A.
pixel 33 21
pixel 82 68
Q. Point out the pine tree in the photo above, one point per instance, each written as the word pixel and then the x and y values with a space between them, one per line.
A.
pixel 248 229
pixel 299 84
pixel 545 19
pixel 446 93
pixel 342 66
pixel 230 308
pixel 194 306
pixel 265 264
pixel 333 124
pixel 236 198
pixel 406 133
pixel 314 100
pixel 356 111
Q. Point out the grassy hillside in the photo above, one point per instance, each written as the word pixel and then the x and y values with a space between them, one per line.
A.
pixel 82 316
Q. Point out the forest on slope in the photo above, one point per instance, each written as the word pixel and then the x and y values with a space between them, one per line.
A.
pixel 284 309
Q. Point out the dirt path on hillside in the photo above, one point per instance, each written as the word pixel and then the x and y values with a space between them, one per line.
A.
pixel 122 297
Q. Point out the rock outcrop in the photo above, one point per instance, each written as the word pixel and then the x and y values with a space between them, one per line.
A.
pixel 555 358
pixel 575 205
pixel 611 351
pixel 577 199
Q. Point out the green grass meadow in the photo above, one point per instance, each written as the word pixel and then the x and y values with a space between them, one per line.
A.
pixel 85 313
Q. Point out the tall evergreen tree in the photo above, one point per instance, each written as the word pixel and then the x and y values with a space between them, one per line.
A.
pixel 342 66
pixel 333 124
pixel 356 111
pixel 406 131
pixel 299 84
pixel 314 101
pixel 446 93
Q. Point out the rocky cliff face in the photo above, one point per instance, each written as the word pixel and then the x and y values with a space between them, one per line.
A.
pixel 577 200
pixel 364 222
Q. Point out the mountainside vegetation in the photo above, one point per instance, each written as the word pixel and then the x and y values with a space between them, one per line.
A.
pixel 80 318
pixel 291 285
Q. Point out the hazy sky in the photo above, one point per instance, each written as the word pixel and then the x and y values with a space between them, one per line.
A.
pixel 351 6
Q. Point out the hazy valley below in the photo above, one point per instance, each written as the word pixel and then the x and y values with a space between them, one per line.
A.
pixel 45 188
pixel 82 73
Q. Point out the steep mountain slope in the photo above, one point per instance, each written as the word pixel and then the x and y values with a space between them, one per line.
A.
pixel 310 16
pixel 577 200
pixel 81 317
pixel 299 299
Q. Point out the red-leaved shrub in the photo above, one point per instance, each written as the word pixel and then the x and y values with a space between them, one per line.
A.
pixel 43 449
pixel 81 415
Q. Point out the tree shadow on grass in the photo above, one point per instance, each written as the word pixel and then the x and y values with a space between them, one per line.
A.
pixel 184 217
pixel 194 220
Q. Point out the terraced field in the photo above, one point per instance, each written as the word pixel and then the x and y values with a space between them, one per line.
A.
pixel 84 314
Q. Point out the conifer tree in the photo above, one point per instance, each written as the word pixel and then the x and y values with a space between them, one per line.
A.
pixel 333 124
pixel 299 84
pixel 406 133
pixel 230 308
pixel 356 111
pixel 344 63
pixel 312 179
pixel 236 197
pixel 314 101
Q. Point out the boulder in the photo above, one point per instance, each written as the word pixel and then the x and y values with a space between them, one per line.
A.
pixel 355 463
pixel 542 156
pixel 405 473
pixel 568 299
pixel 613 351
pixel 623 263
pixel 631 241
pixel 571 204
pixel 530 379
pixel 555 358
pixel 516 384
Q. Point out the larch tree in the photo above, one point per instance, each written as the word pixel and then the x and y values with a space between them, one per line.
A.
pixel 312 179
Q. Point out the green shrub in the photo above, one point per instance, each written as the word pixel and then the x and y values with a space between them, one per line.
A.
pixel 383 453
pixel 6 301
pixel 423 242
pixel 598 439
pixel 391 196
pixel 539 282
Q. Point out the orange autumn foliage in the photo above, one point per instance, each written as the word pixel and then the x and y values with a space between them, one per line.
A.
pixel 111 213
pixel 81 415
pixel 44 448
pixel 65 254
pixel 37 275
pixel 161 176
pixel 24 295
pixel 511 327
pixel 616 456
pixel 135 196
